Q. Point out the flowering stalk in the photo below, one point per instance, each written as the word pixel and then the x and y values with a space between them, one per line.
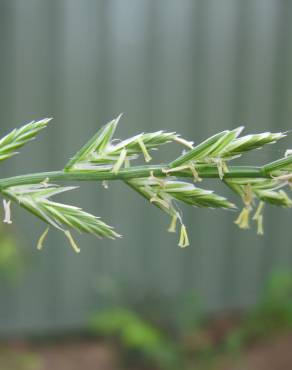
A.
pixel 105 159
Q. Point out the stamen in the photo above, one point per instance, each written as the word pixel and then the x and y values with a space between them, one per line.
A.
pixel 222 167
pixel 258 217
pixel 259 210
pixel 120 161
pixel 175 169
pixel 72 241
pixel 243 219
pixel 260 229
pixel 183 240
pixel 7 211
pixel 172 226
pixel 42 239
pixel 185 142
pixel 147 156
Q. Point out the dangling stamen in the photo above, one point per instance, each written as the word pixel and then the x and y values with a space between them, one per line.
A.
pixel 183 240
pixel 7 211
pixel 42 238
pixel 120 161
pixel 259 210
pixel 243 219
pixel 258 217
pixel 147 156
pixel 172 226
pixel 72 241
pixel 260 229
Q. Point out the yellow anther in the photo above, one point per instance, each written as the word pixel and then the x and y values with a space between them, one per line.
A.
pixel 222 167
pixel 243 219
pixel 185 142
pixel 72 241
pixel 158 200
pixel 258 217
pixel 260 229
pixel 183 240
pixel 120 161
pixel 147 156
pixel 7 211
pixel 42 238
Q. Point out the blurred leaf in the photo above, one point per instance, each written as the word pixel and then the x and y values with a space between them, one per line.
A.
pixel 12 259
pixel 135 333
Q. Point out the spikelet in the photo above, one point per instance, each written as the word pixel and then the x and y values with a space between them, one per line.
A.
pixel 19 137
pixel 36 199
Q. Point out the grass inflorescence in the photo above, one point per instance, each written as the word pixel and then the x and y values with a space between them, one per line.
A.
pixel 104 159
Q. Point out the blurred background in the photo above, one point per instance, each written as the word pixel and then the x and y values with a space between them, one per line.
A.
pixel 192 66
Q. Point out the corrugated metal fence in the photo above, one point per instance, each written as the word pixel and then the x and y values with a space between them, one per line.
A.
pixel 192 66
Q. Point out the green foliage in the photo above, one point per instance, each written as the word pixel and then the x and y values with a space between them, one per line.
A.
pixel 136 334
pixel 194 343
pixel 12 259
pixel 273 314
pixel 12 360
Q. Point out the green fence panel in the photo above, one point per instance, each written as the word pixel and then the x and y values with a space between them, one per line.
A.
pixel 193 66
